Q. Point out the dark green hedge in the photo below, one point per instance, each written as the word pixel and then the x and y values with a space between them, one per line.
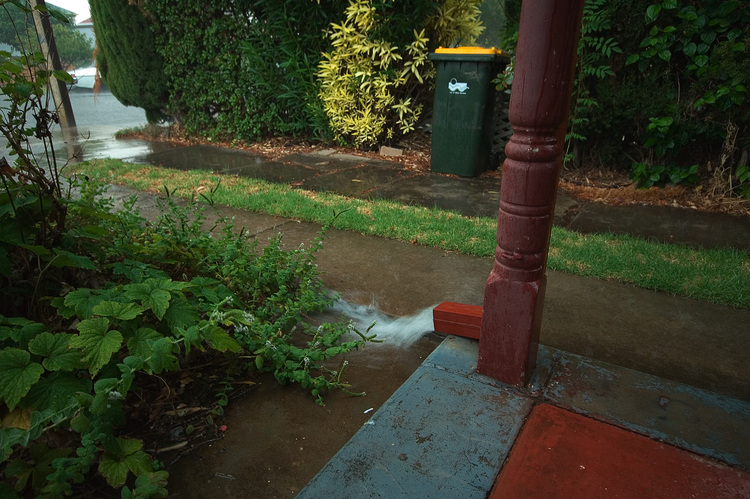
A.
pixel 243 69
pixel 127 58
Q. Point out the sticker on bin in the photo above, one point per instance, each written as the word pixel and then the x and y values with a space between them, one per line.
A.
pixel 456 87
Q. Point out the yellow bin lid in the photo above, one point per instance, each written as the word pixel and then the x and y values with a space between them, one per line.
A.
pixel 469 54
pixel 469 50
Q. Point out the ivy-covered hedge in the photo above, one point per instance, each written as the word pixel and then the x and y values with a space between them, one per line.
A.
pixel 662 89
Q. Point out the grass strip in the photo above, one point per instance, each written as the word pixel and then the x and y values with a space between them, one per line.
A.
pixel 715 275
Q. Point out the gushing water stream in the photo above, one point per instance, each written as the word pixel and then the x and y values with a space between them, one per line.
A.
pixel 399 331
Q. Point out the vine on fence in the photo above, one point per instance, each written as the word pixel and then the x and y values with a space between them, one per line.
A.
pixel 594 54
pixel 709 44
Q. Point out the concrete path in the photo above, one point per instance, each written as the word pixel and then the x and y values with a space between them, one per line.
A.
pixel 362 177
pixel 449 432
pixel 630 373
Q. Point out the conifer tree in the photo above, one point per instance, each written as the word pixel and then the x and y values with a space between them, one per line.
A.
pixel 127 58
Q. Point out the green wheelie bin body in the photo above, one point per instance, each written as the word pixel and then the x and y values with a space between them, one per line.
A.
pixel 463 110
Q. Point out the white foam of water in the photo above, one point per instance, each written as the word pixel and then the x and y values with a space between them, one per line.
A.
pixel 400 331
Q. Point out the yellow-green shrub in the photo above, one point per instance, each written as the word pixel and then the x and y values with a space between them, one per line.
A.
pixel 455 21
pixel 374 81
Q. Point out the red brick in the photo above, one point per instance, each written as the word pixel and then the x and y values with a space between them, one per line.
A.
pixel 458 319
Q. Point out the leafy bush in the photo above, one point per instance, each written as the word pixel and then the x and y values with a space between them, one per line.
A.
pixel 662 141
pixel 281 52
pixel 743 180
pixel 592 65
pixel 706 49
pixel 373 80
pixel 94 302
pixel 693 58
pixel 209 93
pixel 243 70
pixel 240 70
pixel 361 78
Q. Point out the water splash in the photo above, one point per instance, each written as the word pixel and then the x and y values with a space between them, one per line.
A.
pixel 399 331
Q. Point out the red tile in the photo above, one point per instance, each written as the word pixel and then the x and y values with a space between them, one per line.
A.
pixel 560 454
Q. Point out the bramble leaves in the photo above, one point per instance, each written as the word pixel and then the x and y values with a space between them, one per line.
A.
pixel 221 341
pixel 67 259
pixel 192 336
pixel 54 348
pixel 151 484
pixel 17 418
pixel 81 303
pixel 125 458
pixel 17 374
pixel 56 391
pixel 27 332
pixel 154 294
pixel 121 311
pixel 140 344
pixel 181 313
pixel 35 468
pixel 97 343
pixel 161 357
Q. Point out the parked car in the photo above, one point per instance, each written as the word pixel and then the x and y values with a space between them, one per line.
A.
pixel 84 77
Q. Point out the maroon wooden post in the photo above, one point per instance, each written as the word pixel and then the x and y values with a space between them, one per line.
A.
pixel 539 105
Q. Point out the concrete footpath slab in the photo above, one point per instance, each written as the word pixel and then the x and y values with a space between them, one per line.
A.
pixel 665 224
pixel 363 177
pixel 444 433
pixel 448 430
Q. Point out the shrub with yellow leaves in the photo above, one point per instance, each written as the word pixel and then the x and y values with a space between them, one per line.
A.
pixel 373 83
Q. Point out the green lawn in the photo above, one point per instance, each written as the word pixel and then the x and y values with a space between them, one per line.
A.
pixel 715 275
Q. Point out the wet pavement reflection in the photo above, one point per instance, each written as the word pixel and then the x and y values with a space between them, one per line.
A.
pixel 98 117
pixel 278 438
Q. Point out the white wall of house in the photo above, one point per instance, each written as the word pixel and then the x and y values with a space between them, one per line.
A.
pixel 87 28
